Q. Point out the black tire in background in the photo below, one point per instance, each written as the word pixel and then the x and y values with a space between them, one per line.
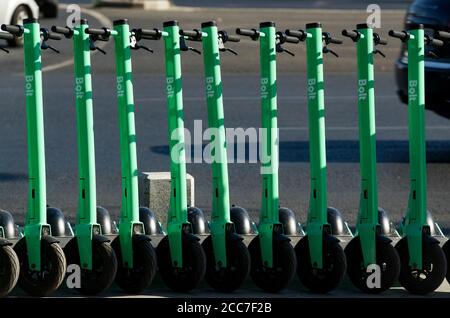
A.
pixel 427 280
pixel 53 268
pixel 21 13
pixel 136 279
pixel 49 8
pixel 9 270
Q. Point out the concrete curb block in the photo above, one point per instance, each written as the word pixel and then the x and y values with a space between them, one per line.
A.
pixel 154 192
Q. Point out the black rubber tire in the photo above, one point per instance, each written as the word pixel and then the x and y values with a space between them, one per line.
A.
pixel 386 258
pixel 425 281
pixel 446 249
pixel 186 278
pixel 104 265
pixel 135 280
pixel 53 268
pixel 9 270
pixel 277 278
pixel 334 266
pixel 238 266
pixel 50 9
pixel 17 16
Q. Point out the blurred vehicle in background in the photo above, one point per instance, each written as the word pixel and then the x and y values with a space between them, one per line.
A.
pixel 435 16
pixel 15 11
pixel 49 8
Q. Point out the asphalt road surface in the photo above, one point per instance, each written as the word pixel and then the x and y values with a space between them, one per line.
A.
pixel 242 109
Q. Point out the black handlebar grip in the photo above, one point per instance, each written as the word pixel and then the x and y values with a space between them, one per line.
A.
pixel 246 32
pixel 66 31
pixel 149 34
pixel 354 35
pixel 443 35
pixel 191 34
pixel 54 36
pixel 399 35
pixel 232 38
pixel 6 36
pixel 291 39
pixel 435 42
pixel 335 41
pixel 382 41
pixel 103 32
pixel 300 34
pixel 16 30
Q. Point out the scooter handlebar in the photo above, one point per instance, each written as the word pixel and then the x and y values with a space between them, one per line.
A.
pixel 402 35
pixel 252 33
pixel 193 35
pixel 154 34
pixel 443 35
pixel 6 36
pixel 381 41
pixel 435 42
pixel 335 41
pixel 54 36
pixel 16 30
pixel 101 32
pixel 354 35
pixel 66 31
pixel 286 38
pixel 299 34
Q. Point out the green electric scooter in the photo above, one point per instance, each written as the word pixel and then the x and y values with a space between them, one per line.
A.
pixel 423 263
pixel 370 246
pixel 135 254
pixel 89 248
pixel 42 260
pixel 9 263
pixel 321 260
pixel 273 261
pixel 181 259
pixel 227 257
pixel 445 36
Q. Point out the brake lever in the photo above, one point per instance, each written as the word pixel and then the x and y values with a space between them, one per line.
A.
pixel 224 49
pixel 327 50
pixel 45 46
pixel 376 51
pixel 184 47
pixel 92 46
pixel 281 49
pixel 432 55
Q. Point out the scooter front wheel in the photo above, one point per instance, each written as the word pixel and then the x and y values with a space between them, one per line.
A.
pixel 136 279
pixel 432 274
pixel 53 268
pixel 9 270
pixel 229 278
pixel 187 277
pixel 327 278
pixel 387 260
pixel 104 265
pixel 446 249
pixel 276 278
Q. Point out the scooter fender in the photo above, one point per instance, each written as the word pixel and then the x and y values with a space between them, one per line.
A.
pixel 281 238
pixel 51 239
pixel 430 239
pixel 190 237
pixel 141 238
pixel 234 237
pixel 4 242
pixel 384 239
pixel 102 239
pixel 331 238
